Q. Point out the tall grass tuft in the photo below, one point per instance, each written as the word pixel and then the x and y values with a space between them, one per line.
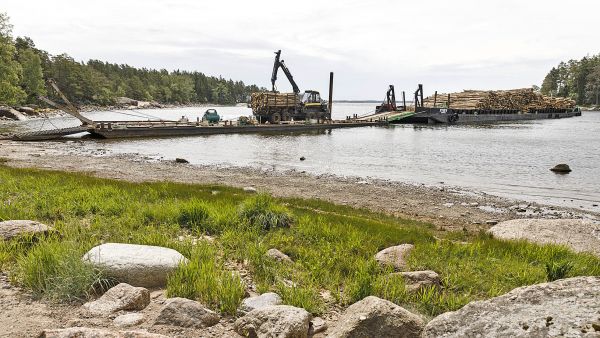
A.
pixel 55 269
pixel 558 270
pixel 207 281
pixel 261 211
pixel 193 214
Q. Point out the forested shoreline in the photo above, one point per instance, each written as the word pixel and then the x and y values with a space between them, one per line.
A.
pixel 575 79
pixel 25 68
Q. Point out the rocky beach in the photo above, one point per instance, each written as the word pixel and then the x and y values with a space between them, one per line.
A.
pixel 145 309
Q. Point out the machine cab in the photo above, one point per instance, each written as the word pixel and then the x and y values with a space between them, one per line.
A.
pixel 311 96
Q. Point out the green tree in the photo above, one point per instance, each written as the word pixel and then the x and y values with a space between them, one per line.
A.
pixel 220 93
pixel 550 84
pixel 10 70
pixel 33 77
pixel 592 88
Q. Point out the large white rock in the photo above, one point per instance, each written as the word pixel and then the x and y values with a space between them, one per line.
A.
pixel 16 228
pixel 395 256
pixel 376 317
pixel 580 235
pixel 120 297
pixel 282 321
pixel 564 308
pixel 257 302
pixel 138 265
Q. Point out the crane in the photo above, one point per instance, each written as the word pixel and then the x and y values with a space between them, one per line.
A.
pixel 389 104
pixel 68 107
pixel 280 64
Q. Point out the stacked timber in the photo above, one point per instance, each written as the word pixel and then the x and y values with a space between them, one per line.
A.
pixel 515 99
pixel 269 99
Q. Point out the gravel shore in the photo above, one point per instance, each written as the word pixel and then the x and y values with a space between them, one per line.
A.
pixel 447 207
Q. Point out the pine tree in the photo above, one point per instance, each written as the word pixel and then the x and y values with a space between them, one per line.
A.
pixel 33 77
pixel 10 70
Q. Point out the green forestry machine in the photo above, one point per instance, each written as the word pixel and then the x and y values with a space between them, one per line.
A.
pixel 275 107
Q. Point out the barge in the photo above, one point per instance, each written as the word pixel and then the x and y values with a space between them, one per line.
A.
pixel 111 130
pixel 138 129
pixel 474 116
pixel 478 106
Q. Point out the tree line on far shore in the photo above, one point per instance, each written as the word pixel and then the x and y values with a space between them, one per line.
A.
pixel 24 69
pixel 576 79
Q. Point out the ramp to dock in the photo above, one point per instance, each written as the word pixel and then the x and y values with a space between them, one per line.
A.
pixel 51 134
pixel 390 117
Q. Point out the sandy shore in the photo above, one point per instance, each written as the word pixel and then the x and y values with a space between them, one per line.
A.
pixel 445 206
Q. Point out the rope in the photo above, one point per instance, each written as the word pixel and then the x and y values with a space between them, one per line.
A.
pixel 147 115
pixel 130 114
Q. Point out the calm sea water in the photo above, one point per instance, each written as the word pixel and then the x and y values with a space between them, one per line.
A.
pixel 510 160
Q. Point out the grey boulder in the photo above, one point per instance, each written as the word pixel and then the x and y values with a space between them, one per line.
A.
pixel 129 319
pixel 120 297
pixel 278 256
pixel 578 234
pixel 561 168
pixel 395 256
pixel 317 325
pixel 85 332
pixel 250 190
pixel 138 265
pixel 376 317
pixel 11 113
pixel 415 280
pixel 281 321
pixel 258 302
pixel 186 313
pixel 17 228
pixel 564 308
pixel 26 110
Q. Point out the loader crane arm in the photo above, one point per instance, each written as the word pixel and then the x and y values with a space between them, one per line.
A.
pixel 280 64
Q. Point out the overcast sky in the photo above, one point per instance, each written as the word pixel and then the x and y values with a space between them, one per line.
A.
pixel 446 45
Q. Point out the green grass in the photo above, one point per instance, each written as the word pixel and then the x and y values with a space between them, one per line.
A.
pixel 332 247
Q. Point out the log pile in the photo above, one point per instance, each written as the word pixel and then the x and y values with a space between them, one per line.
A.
pixel 515 99
pixel 268 99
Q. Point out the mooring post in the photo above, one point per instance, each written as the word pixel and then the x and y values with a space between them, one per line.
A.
pixel 330 94
pixel 403 101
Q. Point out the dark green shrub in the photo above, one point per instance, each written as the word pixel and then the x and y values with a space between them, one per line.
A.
pixel 262 212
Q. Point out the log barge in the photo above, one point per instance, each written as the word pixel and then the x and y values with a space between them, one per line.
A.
pixel 477 106
pixel 474 116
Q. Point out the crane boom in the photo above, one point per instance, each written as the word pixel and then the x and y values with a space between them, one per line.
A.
pixel 69 108
pixel 280 64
